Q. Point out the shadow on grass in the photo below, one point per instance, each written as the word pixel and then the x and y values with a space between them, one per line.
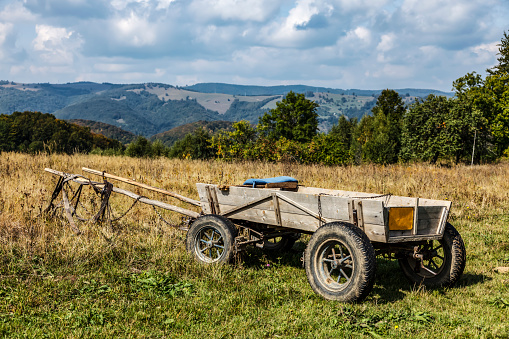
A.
pixel 259 258
pixel 469 279
pixel 390 284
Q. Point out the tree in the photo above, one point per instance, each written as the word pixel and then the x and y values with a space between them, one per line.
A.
pixel 487 101
pixel 426 130
pixel 344 131
pixel 384 144
pixel 236 144
pixel 503 59
pixel 294 118
pixel 140 148
pixel 196 145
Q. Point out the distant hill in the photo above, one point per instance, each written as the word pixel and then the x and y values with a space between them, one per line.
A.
pixel 283 89
pixel 152 108
pixel 169 137
pixel 109 131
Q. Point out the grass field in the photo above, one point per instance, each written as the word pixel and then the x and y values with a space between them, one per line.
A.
pixel 134 278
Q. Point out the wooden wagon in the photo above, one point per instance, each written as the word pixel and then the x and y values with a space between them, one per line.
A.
pixel 349 229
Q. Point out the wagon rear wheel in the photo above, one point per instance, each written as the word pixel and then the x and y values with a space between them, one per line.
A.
pixel 281 244
pixel 340 262
pixel 211 239
pixel 443 261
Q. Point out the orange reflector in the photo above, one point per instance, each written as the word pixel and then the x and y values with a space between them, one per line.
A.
pixel 401 218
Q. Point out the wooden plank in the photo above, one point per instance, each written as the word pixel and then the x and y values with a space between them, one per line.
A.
pixel 392 200
pixel 249 205
pixel 302 208
pixel 430 212
pixel 351 217
pixel 373 212
pixel 443 221
pixel 360 219
pixel 413 238
pixel 428 226
pixel 288 185
pixel 157 203
pixel 375 232
pixel 135 183
pixel 81 181
pixel 416 216
pixel 304 222
pixel 68 213
pixel 212 198
pixel 276 209
pixel 210 202
pixel 332 207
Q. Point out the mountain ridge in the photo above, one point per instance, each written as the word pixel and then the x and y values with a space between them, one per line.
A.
pixel 151 108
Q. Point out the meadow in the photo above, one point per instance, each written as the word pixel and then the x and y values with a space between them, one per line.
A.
pixel 134 279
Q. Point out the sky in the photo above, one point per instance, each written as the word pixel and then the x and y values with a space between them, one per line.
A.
pixel 364 44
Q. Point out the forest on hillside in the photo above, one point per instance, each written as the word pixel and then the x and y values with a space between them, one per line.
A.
pixel 35 132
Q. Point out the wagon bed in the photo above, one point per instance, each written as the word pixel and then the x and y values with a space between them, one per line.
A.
pixel 383 218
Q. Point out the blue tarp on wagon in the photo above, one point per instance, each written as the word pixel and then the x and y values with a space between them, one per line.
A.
pixel 255 182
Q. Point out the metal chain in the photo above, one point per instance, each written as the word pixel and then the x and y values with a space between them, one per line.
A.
pixel 128 210
pixel 387 196
pixel 164 220
pixel 320 222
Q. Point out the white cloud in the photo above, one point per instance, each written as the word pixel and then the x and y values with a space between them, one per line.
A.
pixel 135 30
pixel 111 67
pixel 234 10
pixel 5 31
pixel 164 4
pixel 56 45
pixel 123 4
pixel 16 12
pixel 386 43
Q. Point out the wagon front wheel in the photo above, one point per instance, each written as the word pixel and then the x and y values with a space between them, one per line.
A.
pixel 340 262
pixel 211 239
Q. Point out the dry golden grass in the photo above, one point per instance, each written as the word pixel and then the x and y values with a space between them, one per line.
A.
pixel 34 247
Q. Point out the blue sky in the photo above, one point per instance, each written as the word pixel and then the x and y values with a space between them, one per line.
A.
pixel 366 44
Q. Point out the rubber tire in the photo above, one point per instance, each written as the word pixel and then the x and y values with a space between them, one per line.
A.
pixel 452 267
pixel 226 229
pixel 362 255
pixel 284 245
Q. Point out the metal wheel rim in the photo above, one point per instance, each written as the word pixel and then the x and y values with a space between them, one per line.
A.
pixel 209 244
pixel 434 260
pixel 335 265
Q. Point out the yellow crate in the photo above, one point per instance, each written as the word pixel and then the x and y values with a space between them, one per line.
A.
pixel 401 218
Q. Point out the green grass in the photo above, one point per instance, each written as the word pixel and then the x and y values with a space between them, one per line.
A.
pixel 135 293
pixel 136 279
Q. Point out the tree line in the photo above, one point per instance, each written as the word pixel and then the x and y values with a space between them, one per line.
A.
pixel 35 132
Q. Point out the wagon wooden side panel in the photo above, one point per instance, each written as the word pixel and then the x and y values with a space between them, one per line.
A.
pixel 307 208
